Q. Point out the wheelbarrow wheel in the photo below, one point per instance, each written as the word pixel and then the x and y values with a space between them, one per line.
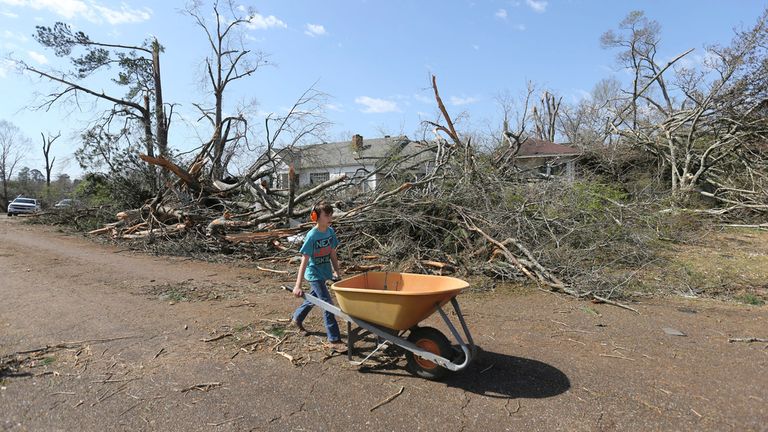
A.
pixel 432 340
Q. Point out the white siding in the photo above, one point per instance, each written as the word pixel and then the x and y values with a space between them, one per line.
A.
pixel 333 172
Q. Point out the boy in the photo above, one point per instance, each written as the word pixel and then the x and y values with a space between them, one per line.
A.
pixel 318 264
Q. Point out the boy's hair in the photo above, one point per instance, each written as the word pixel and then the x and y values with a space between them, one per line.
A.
pixel 323 207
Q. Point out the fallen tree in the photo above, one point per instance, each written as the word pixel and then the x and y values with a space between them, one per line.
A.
pixel 465 214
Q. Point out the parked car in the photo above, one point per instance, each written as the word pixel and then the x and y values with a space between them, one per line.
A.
pixel 66 203
pixel 23 205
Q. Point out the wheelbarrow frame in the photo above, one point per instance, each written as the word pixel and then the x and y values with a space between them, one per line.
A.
pixel 467 347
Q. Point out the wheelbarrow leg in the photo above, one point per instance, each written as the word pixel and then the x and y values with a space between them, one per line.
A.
pixel 351 336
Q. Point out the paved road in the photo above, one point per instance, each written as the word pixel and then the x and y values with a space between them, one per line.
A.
pixel 124 351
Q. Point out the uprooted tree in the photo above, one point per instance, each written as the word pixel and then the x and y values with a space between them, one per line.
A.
pixel 439 206
pixel 708 127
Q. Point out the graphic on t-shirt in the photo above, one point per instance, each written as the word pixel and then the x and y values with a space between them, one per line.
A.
pixel 319 247
pixel 322 252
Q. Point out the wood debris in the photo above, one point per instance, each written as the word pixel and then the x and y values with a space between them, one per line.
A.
pixel 204 387
pixel 389 399
pixel 747 340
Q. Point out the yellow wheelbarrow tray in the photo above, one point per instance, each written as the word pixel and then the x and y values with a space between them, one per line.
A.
pixel 390 304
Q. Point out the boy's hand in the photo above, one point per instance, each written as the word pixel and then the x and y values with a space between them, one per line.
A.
pixel 298 292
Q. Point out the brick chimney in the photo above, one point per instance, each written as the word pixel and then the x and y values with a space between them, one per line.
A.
pixel 357 142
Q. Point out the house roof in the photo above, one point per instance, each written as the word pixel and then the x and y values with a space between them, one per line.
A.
pixel 533 147
pixel 343 153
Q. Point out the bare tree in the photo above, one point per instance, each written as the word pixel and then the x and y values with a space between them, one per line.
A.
pixel 546 116
pixel 230 60
pixel 510 141
pixel 49 161
pixel 704 126
pixel 139 72
pixel 637 38
pixel 586 123
pixel 13 145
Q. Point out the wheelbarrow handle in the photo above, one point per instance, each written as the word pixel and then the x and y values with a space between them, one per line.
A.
pixel 290 290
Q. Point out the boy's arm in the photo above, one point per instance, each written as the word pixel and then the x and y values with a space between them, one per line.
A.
pixel 335 262
pixel 300 277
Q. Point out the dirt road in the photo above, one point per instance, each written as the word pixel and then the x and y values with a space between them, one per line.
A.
pixel 125 351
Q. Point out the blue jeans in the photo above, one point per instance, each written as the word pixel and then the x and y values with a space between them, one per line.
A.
pixel 319 290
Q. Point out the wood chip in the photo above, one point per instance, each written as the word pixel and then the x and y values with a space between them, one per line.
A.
pixel 747 340
pixel 221 336
pixel 225 421
pixel 673 332
pixel 389 399
pixel 202 387
pixel 272 270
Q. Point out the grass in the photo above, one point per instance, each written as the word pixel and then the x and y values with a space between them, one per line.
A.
pixel 174 295
pixel 47 360
pixel 750 299
pixel 277 331
pixel 242 327
pixel 728 264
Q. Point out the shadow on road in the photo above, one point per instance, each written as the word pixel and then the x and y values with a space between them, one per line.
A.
pixel 504 376
pixel 492 375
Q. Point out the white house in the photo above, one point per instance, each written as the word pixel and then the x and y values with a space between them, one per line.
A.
pixel 357 158
pixel 547 159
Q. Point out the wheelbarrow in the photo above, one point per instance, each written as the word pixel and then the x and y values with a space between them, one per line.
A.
pixel 390 305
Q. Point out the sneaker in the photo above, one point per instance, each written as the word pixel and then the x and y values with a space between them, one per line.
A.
pixel 298 326
pixel 337 346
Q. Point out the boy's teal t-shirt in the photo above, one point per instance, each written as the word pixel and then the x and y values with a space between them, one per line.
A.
pixel 318 245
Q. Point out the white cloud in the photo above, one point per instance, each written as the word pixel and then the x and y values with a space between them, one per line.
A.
pixel 89 10
pixel 501 14
pixel 315 30
pixel 539 6
pixel 335 107
pixel 520 27
pixel 36 56
pixel 66 8
pixel 579 95
pixel 457 101
pixel 124 15
pixel 5 66
pixel 377 106
pixel 260 22
pixel 254 39
pixel 9 14
pixel 476 47
pixel 423 99
pixel 7 34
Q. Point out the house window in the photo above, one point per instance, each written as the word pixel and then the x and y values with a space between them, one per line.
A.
pixel 552 169
pixel 282 181
pixel 317 178
pixel 358 178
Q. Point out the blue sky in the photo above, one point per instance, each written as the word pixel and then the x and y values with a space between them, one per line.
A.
pixel 373 58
